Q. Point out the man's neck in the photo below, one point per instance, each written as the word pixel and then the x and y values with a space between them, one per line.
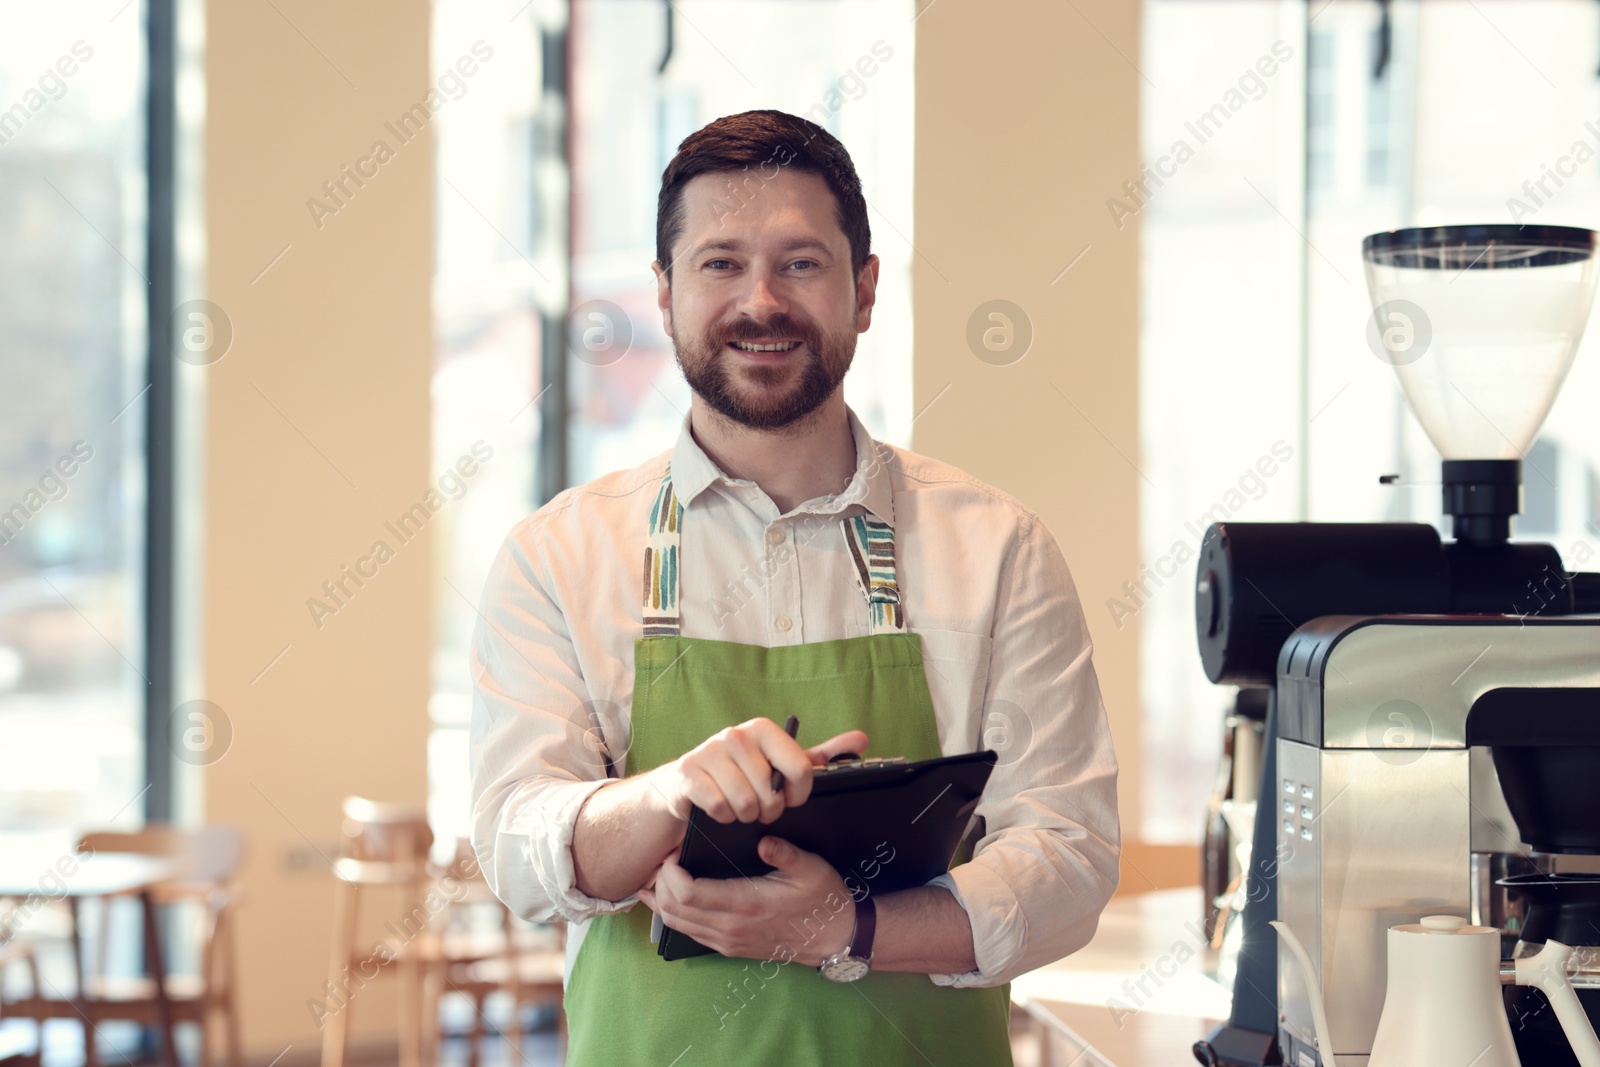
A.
pixel 814 457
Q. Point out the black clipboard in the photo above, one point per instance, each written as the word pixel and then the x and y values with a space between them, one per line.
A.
pixel 885 825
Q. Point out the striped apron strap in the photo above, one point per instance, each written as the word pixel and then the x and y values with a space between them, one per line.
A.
pixel 661 579
pixel 871 547
pixel 869 542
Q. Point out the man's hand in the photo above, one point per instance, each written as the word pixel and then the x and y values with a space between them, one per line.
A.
pixel 801 911
pixel 730 773
pixel 627 826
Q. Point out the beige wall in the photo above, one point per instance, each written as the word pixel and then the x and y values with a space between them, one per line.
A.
pixel 318 417
pixel 318 431
pixel 1027 120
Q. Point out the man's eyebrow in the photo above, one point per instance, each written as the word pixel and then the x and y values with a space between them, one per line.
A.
pixel 730 244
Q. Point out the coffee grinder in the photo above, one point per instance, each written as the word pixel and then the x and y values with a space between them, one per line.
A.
pixel 1415 685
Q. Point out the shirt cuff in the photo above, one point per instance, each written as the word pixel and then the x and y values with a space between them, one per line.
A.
pixel 537 844
pixel 999 930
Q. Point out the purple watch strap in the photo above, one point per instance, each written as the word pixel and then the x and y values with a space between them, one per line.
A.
pixel 866 926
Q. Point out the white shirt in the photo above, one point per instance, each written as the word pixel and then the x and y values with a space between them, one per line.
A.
pixel 1005 648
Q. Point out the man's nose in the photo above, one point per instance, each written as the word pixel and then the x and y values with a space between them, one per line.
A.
pixel 762 298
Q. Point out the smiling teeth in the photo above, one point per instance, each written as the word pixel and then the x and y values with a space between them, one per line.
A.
pixel 783 346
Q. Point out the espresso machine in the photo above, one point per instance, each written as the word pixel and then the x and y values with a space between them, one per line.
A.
pixel 1432 737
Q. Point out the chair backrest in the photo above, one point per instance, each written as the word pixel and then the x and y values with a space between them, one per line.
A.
pixel 383 843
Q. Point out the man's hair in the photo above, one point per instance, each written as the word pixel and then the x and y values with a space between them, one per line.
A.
pixel 761 142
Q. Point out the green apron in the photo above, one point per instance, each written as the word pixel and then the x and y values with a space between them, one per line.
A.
pixel 627 1006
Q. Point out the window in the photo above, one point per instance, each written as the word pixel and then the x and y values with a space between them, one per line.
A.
pixel 495 280
pixel 1482 113
pixel 1220 372
pixel 73 292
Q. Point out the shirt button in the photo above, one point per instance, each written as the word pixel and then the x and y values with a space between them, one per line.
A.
pixel 782 622
pixel 775 536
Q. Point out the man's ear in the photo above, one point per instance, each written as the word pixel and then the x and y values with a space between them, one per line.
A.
pixel 866 293
pixel 663 296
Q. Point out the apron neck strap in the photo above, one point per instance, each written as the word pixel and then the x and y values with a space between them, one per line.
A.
pixel 871 546
pixel 869 542
pixel 661 579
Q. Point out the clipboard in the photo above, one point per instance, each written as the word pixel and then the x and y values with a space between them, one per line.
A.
pixel 884 824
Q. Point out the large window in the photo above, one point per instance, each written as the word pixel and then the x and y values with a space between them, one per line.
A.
pixel 517 289
pixel 1221 373
pixel 1254 300
pixel 495 280
pixel 73 408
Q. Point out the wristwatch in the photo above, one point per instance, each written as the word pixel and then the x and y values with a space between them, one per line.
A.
pixel 856 960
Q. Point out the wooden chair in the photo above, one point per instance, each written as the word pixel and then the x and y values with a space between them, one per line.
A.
pixel 20 953
pixel 382 846
pixel 434 945
pixel 209 860
pixel 524 962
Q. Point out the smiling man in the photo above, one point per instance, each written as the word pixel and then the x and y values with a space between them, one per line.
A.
pixel 642 636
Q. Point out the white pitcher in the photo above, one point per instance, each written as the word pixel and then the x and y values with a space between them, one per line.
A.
pixel 1443 1002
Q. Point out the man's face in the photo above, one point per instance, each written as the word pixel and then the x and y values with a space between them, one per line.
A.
pixel 763 262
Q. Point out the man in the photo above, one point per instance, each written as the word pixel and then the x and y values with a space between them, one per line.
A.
pixel 777 560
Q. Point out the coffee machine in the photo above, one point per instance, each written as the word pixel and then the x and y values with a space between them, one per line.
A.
pixel 1433 712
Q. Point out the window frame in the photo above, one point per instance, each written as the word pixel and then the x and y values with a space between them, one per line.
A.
pixel 161 421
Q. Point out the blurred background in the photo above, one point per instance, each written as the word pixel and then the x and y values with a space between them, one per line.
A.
pixel 273 274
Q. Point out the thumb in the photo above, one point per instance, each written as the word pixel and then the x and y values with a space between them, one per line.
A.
pixel 784 855
pixel 849 741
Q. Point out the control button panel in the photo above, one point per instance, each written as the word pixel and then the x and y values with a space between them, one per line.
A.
pixel 1301 815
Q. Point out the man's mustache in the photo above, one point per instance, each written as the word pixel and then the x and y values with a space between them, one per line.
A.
pixel 778 327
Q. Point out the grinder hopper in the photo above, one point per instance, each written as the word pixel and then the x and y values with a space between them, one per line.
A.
pixel 1481 324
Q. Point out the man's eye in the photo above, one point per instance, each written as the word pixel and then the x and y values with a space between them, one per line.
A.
pixel 713 263
pixel 798 262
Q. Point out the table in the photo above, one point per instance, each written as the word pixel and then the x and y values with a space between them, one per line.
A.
pixel 37 870
pixel 1136 996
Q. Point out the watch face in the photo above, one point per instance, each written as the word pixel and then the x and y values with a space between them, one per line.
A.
pixel 845 969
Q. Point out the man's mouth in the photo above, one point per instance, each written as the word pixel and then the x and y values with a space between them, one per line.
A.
pixel 773 346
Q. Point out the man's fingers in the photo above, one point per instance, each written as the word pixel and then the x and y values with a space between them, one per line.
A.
pixel 750 753
pixel 673 883
pixel 799 791
pixel 681 894
pixel 789 759
pixel 705 792
pixel 849 741
pixel 702 791
pixel 707 933
pixel 738 799
pixel 784 855
pixel 730 775
pixel 670 873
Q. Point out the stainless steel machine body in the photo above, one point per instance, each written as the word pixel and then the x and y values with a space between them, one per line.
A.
pixel 1384 812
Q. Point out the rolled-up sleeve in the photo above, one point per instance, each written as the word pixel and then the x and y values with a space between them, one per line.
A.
pixel 1048 861
pixel 537 745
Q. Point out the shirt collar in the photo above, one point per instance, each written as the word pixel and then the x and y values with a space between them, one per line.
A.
pixel 870 485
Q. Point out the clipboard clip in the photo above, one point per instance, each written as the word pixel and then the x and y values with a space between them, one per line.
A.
pixel 846 761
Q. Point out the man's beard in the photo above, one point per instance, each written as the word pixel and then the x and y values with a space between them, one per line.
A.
pixel 759 398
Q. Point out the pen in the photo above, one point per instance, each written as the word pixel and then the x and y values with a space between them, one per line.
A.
pixel 791 728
